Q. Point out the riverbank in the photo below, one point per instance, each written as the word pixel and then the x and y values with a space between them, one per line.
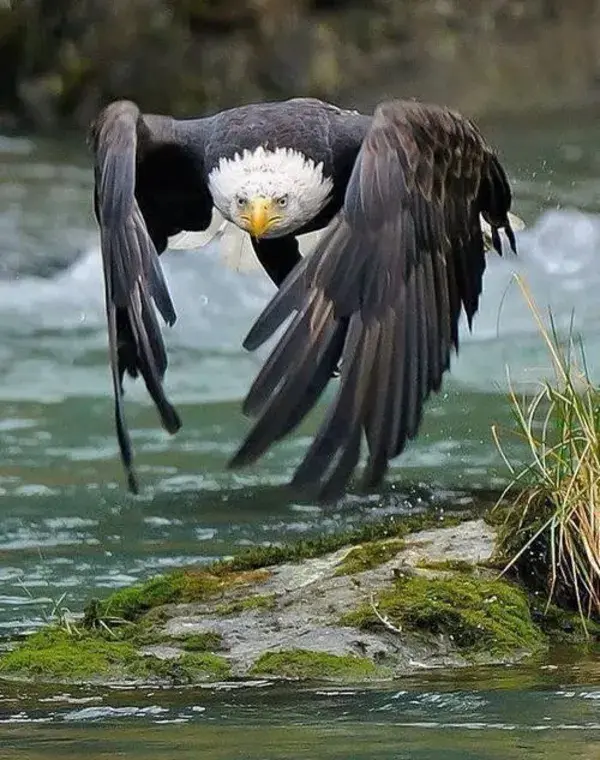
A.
pixel 386 601
pixel 63 61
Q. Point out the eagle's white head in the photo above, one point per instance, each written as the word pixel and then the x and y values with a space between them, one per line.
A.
pixel 269 193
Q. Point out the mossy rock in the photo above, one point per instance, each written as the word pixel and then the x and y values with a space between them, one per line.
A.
pixel 253 602
pixel 456 613
pixel 308 664
pixel 54 653
pixel 448 565
pixel 208 665
pixel 378 542
pixel 369 555
pixel 209 641
pixel 178 587
pixel 191 667
pixel 392 528
pixel 478 615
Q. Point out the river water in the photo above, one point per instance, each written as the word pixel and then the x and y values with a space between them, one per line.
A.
pixel 68 527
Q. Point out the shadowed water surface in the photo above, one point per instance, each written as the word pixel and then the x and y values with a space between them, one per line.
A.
pixel 68 526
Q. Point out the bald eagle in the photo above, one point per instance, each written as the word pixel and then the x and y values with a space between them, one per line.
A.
pixel 401 197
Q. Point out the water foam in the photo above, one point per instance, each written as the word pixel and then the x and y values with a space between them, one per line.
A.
pixel 55 328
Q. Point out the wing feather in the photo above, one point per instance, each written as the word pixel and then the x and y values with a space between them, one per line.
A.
pixel 390 276
pixel 133 277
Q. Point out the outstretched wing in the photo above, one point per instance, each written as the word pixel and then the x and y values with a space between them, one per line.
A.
pixel 148 186
pixel 383 290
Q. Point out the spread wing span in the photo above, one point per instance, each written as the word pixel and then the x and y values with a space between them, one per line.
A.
pixel 381 293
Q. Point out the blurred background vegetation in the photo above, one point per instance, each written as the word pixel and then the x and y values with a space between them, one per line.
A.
pixel 60 60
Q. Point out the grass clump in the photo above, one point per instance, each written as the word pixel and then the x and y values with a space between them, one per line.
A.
pixel 563 626
pixel 307 664
pixel 550 533
pixel 369 555
pixel 479 615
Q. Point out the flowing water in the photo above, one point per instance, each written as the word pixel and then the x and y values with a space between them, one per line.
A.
pixel 67 525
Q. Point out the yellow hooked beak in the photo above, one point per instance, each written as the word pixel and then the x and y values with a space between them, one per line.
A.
pixel 260 215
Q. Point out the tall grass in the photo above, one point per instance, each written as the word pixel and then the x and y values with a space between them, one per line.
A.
pixel 551 530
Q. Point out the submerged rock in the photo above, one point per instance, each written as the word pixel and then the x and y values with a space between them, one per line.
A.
pixel 375 605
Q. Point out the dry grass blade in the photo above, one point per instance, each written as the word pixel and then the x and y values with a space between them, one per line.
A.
pixel 551 531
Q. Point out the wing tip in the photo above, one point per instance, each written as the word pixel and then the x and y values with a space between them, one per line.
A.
pixel 242 458
pixel 133 484
pixel 172 423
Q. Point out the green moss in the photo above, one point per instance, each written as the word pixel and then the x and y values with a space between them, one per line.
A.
pixel 206 664
pixel 52 652
pixel 209 641
pixel 303 663
pixel 254 602
pixel 179 587
pixel 131 602
pixel 449 565
pixel 189 668
pixel 369 555
pixel 399 527
pixel 247 568
pixel 479 615
pixel 147 630
pixel 139 634
pixel 145 633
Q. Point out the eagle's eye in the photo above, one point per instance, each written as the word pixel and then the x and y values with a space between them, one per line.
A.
pixel 282 201
pixel 241 201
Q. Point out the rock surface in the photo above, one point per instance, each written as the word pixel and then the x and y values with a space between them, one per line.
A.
pixel 310 598
pixel 373 609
